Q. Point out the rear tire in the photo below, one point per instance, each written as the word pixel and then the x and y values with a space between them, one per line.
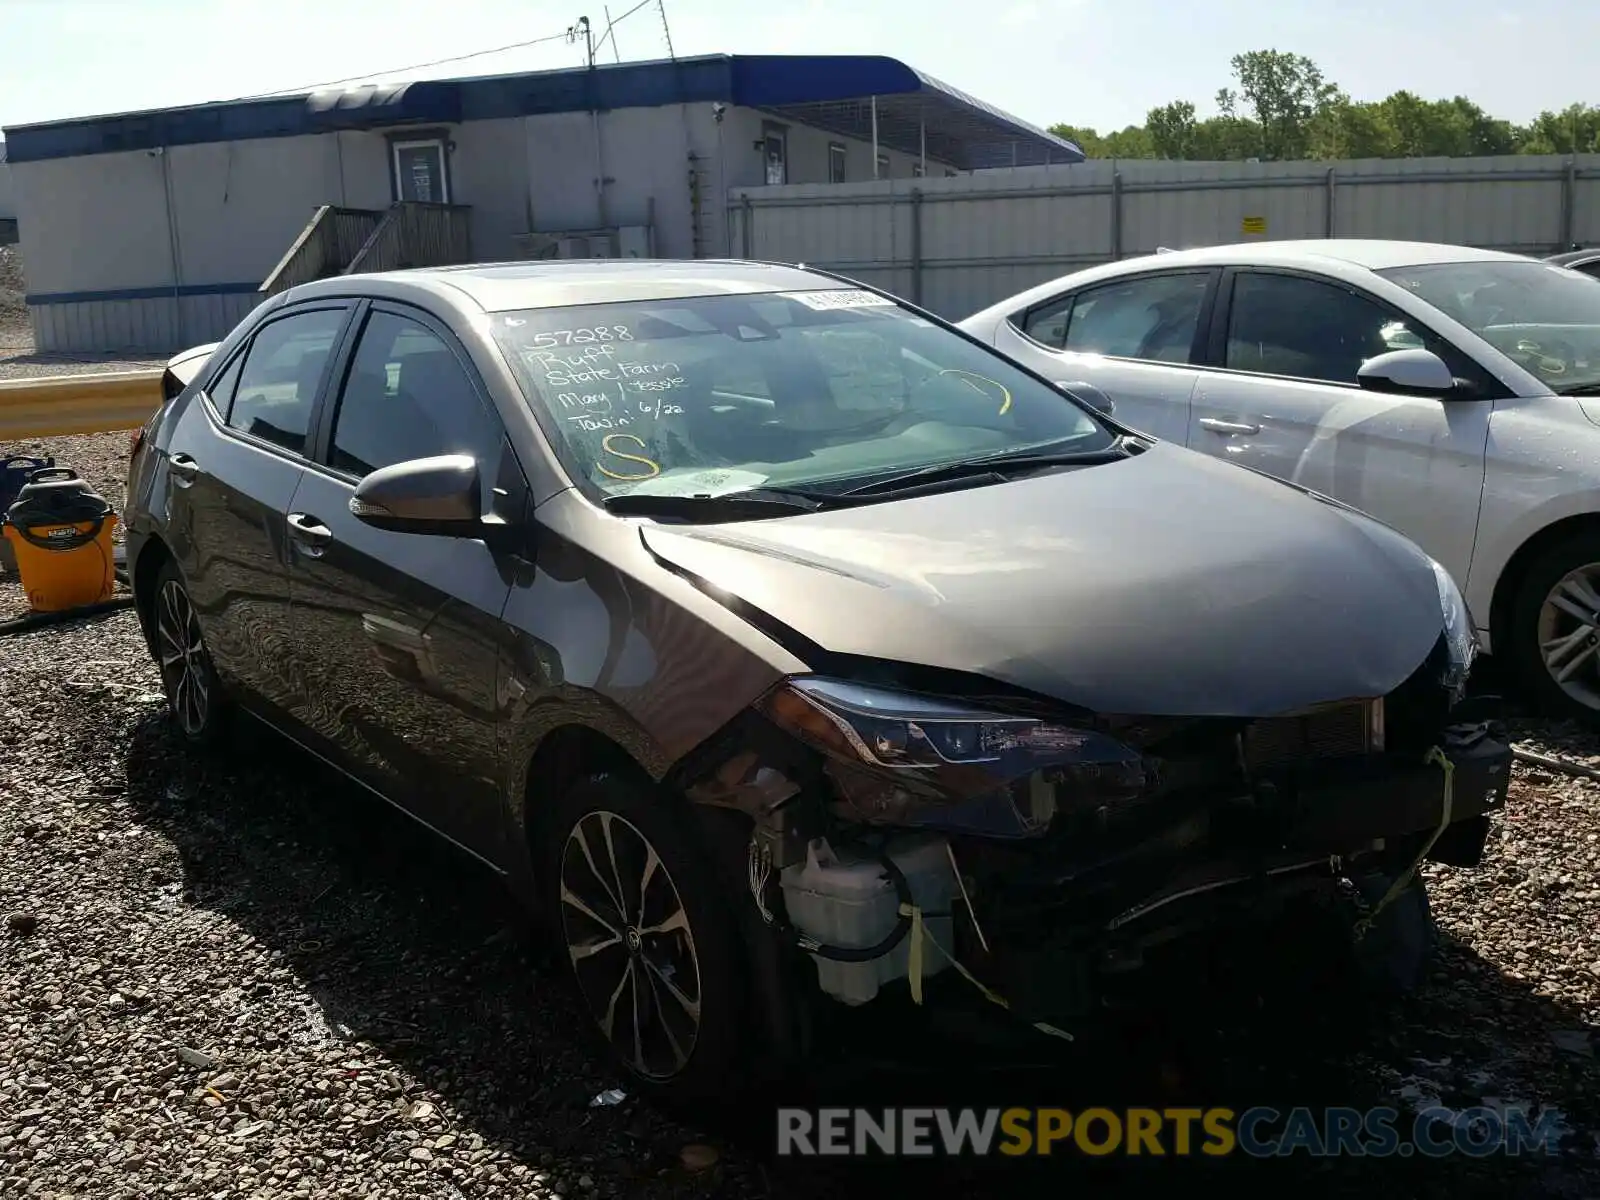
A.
pixel 199 710
pixel 1554 629
pixel 649 939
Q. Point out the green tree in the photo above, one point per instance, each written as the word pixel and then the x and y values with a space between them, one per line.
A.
pixel 1573 130
pixel 1172 130
pixel 1220 139
pixel 1346 129
pixel 1132 142
pixel 1284 93
pixel 1280 106
pixel 1485 134
pixel 1084 138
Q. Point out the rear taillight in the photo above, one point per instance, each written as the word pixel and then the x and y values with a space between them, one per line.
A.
pixel 135 440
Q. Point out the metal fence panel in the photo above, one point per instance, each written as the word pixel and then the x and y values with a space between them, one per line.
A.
pixel 958 244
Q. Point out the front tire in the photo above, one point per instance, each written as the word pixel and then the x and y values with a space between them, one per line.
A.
pixel 1393 958
pixel 199 710
pixel 649 938
pixel 1554 629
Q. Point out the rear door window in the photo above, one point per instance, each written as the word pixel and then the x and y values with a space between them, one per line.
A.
pixel 282 375
pixel 222 388
pixel 1152 318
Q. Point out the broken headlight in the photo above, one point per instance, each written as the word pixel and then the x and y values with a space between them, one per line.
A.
pixel 1459 635
pixel 906 759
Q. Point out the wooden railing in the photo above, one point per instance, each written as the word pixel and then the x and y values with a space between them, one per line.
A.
pixel 413 234
pixel 333 237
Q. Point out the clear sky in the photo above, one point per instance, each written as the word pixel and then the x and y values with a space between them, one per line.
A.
pixel 1101 63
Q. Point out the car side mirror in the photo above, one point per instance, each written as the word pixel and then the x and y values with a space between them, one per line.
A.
pixel 1089 394
pixel 1408 373
pixel 438 496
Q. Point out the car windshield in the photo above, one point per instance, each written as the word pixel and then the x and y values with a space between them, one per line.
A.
pixel 816 389
pixel 1545 317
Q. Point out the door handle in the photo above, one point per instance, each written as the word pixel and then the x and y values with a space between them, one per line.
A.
pixel 311 533
pixel 1227 427
pixel 184 469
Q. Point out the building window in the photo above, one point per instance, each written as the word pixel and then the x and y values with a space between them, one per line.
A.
pixel 883 166
pixel 421 170
pixel 775 153
pixel 835 162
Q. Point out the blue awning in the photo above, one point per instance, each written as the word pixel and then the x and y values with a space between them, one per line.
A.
pixel 838 93
pixel 960 129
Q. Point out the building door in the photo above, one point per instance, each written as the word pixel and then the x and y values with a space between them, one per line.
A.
pixel 775 143
pixel 419 171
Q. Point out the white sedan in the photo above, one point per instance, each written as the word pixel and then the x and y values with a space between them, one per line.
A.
pixel 1452 393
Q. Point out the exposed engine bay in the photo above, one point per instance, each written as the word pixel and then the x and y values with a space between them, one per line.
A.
pixel 1040 852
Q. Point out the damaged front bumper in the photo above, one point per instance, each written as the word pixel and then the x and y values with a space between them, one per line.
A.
pixel 894 838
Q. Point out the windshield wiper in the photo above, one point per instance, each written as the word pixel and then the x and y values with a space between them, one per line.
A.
pixel 993 465
pixel 1582 389
pixel 748 504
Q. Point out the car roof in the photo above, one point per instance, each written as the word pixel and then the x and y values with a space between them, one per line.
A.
pixel 1346 257
pixel 1574 256
pixel 505 286
pixel 1373 254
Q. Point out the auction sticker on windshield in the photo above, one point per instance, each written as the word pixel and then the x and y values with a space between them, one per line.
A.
pixel 699 483
pixel 843 298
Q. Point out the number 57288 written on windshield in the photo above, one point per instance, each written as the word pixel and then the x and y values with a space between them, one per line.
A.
pixel 582 337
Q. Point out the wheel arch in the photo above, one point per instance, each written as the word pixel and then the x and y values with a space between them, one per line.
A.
pixel 574 750
pixel 153 555
pixel 1512 574
pixel 563 756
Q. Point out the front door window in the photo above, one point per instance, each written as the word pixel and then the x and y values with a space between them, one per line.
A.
pixel 419 171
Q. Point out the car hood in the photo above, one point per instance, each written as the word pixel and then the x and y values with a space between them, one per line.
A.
pixel 1167 583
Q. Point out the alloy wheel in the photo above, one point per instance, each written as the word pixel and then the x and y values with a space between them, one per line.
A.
pixel 632 949
pixel 1569 634
pixel 181 653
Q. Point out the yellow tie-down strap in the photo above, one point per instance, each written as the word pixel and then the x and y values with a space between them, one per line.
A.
pixel 1442 760
pixel 920 936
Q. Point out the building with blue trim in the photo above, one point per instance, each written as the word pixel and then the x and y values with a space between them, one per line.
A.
pixel 156 230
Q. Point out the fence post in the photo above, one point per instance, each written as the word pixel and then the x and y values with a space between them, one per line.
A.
pixel 746 217
pixel 1569 197
pixel 1331 186
pixel 916 246
pixel 1116 215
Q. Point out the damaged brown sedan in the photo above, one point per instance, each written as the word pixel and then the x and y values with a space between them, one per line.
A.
pixel 785 647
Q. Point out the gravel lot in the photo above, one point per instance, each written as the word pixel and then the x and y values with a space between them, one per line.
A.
pixel 239 977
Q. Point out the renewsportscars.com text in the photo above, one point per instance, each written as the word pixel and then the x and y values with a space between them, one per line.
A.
pixel 1212 1132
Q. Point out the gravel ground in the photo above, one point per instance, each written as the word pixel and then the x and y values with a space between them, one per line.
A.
pixel 240 977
